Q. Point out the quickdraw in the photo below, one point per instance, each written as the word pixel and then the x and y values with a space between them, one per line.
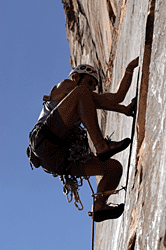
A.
pixel 71 186
pixel 109 192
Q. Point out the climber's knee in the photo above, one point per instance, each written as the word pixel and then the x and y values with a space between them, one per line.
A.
pixel 119 97
pixel 119 169
pixel 116 169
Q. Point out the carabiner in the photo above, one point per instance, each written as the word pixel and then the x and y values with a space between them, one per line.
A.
pixel 79 208
pixel 71 197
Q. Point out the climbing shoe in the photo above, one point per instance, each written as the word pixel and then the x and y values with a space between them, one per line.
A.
pixel 109 212
pixel 113 148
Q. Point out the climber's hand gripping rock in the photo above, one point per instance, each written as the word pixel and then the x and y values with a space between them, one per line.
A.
pixel 131 108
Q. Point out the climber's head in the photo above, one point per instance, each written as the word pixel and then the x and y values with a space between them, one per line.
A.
pixel 85 72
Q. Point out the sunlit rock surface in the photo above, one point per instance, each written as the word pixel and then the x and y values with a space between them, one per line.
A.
pixel 108 34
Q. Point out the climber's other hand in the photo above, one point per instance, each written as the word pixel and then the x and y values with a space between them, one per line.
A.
pixel 131 108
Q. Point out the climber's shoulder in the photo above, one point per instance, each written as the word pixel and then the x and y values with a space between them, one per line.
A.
pixel 63 88
pixel 65 83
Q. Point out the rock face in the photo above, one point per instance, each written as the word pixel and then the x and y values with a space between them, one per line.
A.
pixel 108 34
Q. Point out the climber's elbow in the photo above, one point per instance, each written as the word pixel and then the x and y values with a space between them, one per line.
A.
pixel 118 97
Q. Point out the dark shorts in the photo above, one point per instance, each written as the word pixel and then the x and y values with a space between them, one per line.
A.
pixel 53 150
pixel 53 157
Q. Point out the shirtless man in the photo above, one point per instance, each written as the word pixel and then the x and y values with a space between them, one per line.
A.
pixel 74 100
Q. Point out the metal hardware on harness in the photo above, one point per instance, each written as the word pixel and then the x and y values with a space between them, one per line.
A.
pixel 71 185
pixel 109 192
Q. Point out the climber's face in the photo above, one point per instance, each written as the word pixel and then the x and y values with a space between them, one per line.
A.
pixel 89 82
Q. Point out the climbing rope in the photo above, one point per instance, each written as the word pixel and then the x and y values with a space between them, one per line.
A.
pixel 93 223
pixel 132 133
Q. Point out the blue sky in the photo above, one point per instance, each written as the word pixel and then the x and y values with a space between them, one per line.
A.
pixel 34 56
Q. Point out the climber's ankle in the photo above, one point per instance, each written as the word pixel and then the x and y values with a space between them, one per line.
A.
pixel 99 204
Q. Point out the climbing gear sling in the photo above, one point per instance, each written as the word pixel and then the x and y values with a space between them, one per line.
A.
pixel 71 185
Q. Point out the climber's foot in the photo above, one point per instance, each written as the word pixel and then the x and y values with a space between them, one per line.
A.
pixel 113 148
pixel 108 212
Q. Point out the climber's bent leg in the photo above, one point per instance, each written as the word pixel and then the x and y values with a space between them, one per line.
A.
pixel 111 171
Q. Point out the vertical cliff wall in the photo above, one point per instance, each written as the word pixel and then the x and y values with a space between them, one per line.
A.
pixel 108 34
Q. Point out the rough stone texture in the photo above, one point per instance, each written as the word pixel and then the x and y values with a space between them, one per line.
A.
pixel 109 34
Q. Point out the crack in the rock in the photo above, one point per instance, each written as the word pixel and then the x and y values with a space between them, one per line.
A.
pixel 145 81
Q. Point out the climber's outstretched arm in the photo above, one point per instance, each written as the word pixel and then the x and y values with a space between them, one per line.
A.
pixel 126 110
pixel 110 101
pixel 102 102
pixel 126 80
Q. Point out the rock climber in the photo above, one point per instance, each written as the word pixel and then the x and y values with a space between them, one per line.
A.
pixel 71 102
